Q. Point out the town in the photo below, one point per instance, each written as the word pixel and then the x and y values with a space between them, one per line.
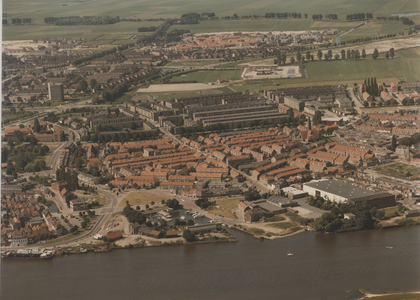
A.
pixel 174 139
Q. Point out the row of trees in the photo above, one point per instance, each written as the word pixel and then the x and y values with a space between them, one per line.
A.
pixel 284 15
pixel 147 29
pixel 370 86
pixel 359 16
pixel 85 20
pixel 18 21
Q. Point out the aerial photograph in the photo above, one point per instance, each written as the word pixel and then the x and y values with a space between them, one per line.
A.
pixel 181 149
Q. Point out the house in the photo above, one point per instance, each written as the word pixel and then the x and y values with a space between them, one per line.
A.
pixel 222 80
pixel 349 216
pixel 367 97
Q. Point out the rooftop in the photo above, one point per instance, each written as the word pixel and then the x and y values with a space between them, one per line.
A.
pixel 340 188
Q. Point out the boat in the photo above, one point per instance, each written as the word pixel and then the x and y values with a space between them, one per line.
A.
pixel 197 215
pixel 389 247
pixel 289 253
pixel 74 251
pixel 182 217
pixel 47 255
pixel 82 250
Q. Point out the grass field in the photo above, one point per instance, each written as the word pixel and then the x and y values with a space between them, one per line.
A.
pixel 142 197
pixel 225 207
pixel 41 30
pixel 378 28
pixel 209 76
pixel 281 225
pixel 399 170
pixel 344 72
pixel 38 10
pixel 171 8
pixel 102 199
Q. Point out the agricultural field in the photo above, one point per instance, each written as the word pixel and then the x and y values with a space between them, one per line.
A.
pixel 378 28
pixel 174 9
pixel 399 170
pixel 209 76
pixel 88 32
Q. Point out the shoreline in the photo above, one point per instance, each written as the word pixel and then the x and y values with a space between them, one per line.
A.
pixel 369 295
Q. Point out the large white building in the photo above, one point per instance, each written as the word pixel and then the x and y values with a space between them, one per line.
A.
pixel 340 191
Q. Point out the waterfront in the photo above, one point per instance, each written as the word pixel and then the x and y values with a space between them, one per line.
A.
pixel 330 266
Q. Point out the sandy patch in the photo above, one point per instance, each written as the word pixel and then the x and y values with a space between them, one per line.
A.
pixel 270 71
pixel 19 45
pixel 156 88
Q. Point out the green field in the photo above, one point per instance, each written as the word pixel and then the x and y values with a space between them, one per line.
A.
pixel 41 30
pixel 168 96
pixel 399 170
pixel 344 72
pixel 378 28
pixel 209 76
pixel 38 10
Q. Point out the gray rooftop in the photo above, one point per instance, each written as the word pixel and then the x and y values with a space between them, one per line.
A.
pixel 340 188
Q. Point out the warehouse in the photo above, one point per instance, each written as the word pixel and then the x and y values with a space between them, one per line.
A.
pixel 340 191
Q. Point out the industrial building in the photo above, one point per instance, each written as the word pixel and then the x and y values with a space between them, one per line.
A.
pixel 340 191
pixel 55 91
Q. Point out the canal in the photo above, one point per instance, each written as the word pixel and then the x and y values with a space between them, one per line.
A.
pixel 333 266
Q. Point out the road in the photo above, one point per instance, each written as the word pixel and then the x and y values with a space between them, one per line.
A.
pixel 357 103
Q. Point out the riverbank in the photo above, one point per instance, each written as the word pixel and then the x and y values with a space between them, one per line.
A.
pixel 396 296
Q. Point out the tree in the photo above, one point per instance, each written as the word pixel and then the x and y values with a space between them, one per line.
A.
pixel 93 83
pixel 83 85
pixel 317 118
pixel 343 54
pixel 391 52
pixel 190 222
pixel 348 54
pixel 292 60
pixel 290 113
pixel 375 54
pixel 329 54
pixel 363 53
pixel 298 56
pixel 37 127
pixel 74 229
pixel 404 102
pixel 387 55
pixel 319 54
pixel 188 236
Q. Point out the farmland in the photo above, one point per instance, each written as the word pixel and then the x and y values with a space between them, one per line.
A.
pixel 174 9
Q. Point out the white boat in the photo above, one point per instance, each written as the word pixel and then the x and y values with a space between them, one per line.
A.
pixel 289 253
pixel 197 215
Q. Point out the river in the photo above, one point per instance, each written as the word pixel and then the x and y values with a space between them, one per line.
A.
pixel 330 266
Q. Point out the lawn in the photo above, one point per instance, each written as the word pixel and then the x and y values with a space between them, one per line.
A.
pixel 281 225
pixel 224 207
pixel 399 170
pixel 209 76
pixel 101 199
pixel 142 197
pixel 390 212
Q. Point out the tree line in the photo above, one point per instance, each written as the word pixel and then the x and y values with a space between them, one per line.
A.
pixel 81 60
pixel 85 20
pixel 284 15
pixel 359 16
pixel 371 87
pixel 18 21
pixel 147 29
